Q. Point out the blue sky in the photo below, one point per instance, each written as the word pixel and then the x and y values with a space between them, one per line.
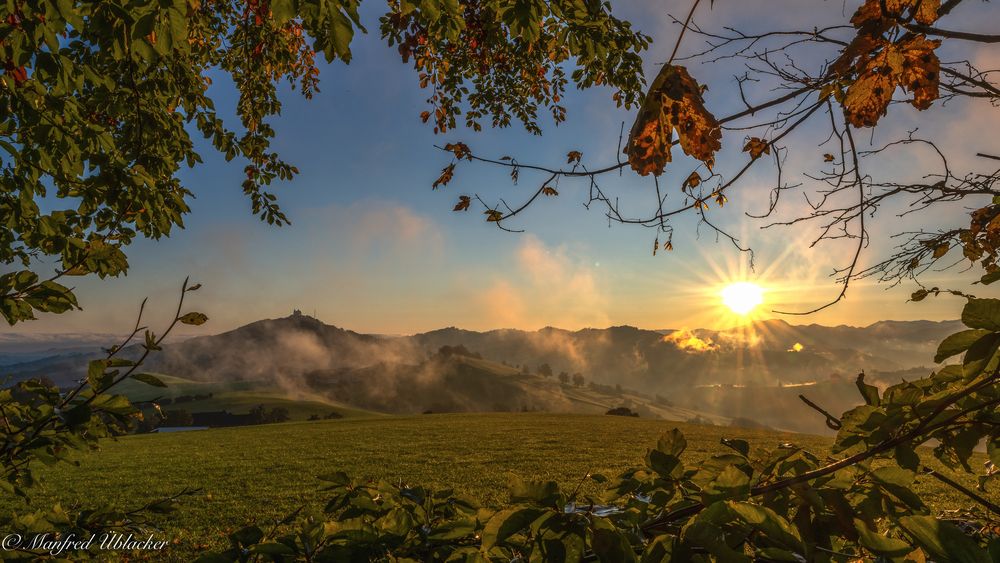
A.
pixel 372 248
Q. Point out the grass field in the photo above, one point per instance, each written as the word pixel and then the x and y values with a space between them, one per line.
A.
pixel 261 473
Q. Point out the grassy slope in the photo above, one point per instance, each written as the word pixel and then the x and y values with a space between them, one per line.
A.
pixel 261 473
pixel 236 397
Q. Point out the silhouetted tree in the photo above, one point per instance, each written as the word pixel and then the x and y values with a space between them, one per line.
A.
pixel 545 370
pixel 578 379
pixel 563 377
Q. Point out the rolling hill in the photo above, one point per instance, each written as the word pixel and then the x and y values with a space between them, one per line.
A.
pixel 678 374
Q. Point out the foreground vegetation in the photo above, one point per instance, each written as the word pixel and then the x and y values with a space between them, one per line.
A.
pixel 260 474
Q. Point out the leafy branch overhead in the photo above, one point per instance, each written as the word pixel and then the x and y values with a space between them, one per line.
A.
pixel 102 99
pixel 799 88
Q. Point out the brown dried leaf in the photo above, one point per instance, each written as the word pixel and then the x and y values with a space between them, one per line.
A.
pixel 463 203
pixel 492 215
pixel 574 156
pixel 547 190
pixel 756 147
pixel 871 13
pixel 693 180
pixel 460 150
pixel 447 173
pixel 910 63
pixel 827 157
pixel 673 101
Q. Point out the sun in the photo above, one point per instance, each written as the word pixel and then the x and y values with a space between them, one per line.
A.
pixel 742 297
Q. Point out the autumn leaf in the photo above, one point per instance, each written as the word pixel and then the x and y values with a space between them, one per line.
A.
pixel 424 116
pixel 195 319
pixel 941 250
pixel 827 157
pixel 492 215
pixel 756 147
pixel 720 199
pixel 909 63
pixel 446 175
pixel 548 190
pixel 872 13
pixel 460 150
pixel 693 180
pixel 463 203
pixel 673 102
pixel 574 156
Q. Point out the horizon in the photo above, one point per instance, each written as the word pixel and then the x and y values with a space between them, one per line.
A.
pixel 756 322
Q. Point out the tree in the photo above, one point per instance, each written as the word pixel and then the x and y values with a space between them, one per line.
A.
pixel 545 370
pixel 578 379
pixel 178 417
pixel 563 378
pixel 100 101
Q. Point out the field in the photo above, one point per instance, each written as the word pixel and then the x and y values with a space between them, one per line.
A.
pixel 261 473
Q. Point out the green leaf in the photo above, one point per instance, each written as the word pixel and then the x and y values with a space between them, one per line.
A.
pixel 880 544
pixel 958 343
pixel 453 530
pixel 508 522
pixel 96 375
pixel 945 542
pixel 273 548
pixel 196 319
pixel 544 493
pixel 730 484
pixel 768 522
pixel 868 392
pixel 741 446
pixel 672 443
pixel 609 544
pixel 982 313
pixel 149 379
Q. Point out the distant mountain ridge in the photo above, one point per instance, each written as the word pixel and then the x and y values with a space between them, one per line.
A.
pixel 726 373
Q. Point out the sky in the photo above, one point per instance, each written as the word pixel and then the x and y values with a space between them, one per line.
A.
pixel 372 248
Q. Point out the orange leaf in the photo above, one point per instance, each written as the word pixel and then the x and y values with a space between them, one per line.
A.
pixel 827 157
pixel 673 102
pixel 549 191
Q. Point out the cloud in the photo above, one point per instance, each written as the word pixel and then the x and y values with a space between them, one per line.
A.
pixel 385 225
pixel 546 286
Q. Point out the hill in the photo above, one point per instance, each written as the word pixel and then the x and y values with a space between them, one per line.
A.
pixel 718 375
pixel 262 473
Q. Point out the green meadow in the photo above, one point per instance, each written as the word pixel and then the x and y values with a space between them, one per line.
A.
pixel 258 474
